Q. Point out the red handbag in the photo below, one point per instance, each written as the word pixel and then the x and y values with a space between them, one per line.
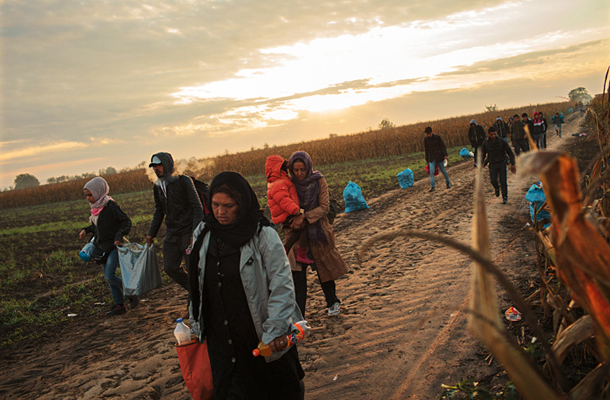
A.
pixel 436 169
pixel 196 369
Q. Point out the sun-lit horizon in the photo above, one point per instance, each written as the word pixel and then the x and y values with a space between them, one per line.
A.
pixel 88 86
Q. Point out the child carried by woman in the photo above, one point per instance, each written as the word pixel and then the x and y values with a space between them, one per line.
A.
pixel 284 204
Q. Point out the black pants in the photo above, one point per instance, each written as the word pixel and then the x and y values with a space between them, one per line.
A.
pixel 521 145
pixel 495 170
pixel 174 250
pixel 300 288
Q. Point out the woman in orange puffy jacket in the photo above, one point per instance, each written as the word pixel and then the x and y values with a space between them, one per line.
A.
pixel 284 203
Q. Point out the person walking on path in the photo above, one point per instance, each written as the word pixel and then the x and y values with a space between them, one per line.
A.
pixel 476 135
pixel 538 131
pixel 284 205
pixel 314 198
pixel 436 153
pixel 545 127
pixel 502 128
pixel 495 151
pixel 242 293
pixel 108 225
pixel 558 121
pixel 518 135
pixel 176 201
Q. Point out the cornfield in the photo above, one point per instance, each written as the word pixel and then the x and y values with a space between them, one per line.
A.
pixel 359 146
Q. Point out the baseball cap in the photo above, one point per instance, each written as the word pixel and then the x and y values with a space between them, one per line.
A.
pixel 155 161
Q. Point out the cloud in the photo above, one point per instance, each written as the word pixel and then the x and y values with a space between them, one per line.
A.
pixel 36 150
pixel 524 60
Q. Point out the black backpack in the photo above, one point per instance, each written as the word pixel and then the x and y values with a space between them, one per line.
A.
pixel 333 209
pixel 202 190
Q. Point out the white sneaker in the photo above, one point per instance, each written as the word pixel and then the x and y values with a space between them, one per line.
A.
pixel 335 309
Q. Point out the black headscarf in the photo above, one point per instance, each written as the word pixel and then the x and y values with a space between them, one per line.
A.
pixel 308 191
pixel 249 213
pixel 250 218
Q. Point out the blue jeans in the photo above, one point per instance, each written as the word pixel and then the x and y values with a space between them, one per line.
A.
pixel 558 129
pixel 115 283
pixel 441 166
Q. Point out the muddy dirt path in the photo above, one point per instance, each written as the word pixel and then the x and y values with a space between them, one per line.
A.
pixel 400 335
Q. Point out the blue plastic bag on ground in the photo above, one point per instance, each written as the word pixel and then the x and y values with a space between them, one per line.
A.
pixel 405 178
pixel 354 200
pixel 139 269
pixel 536 197
pixel 465 153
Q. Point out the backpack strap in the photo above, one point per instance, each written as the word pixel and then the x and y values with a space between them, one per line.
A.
pixel 193 272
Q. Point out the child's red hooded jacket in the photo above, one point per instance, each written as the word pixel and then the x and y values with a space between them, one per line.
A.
pixel 281 194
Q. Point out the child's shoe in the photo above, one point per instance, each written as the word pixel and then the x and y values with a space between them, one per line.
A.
pixel 302 256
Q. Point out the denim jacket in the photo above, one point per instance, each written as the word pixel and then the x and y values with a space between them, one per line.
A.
pixel 267 283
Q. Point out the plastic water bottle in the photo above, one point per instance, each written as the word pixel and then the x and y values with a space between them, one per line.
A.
pixel 296 336
pixel 182 332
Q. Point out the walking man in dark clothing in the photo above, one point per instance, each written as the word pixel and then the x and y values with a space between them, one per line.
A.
pixel 476 135
pixel 545 127
pixel 502 129
pixel 436 154
pixel 177 201
pixel 519 137
pixel 495 152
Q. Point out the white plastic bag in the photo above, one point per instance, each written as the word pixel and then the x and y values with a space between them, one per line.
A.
pixel 139 269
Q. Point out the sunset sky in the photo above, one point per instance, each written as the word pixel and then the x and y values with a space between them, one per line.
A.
pixel 91 84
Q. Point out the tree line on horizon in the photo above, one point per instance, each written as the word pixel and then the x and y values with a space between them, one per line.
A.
pixel 388 140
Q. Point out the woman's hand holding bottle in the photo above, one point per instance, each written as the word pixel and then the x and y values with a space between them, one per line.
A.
pixel 284 341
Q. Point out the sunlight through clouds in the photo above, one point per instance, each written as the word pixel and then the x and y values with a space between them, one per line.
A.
pixel 422 50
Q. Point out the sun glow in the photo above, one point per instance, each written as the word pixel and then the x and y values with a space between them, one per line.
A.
pixel 400 60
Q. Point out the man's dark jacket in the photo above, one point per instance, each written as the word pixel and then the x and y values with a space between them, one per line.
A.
pixel 181 207
pixel 496 152
pixel 434 148
pixel 476 135
pixel 518 130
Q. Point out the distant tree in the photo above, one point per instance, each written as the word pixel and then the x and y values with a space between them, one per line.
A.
pixel 332 135
pixel 386 123
pixel 107 171
pixel 579 94
pixel 491 108
pixel 24 181
pixel 51 180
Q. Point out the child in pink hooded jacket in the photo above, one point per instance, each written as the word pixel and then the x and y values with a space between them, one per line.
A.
pixel 284 203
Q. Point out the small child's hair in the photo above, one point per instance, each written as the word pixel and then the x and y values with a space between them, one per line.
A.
pixel 285 166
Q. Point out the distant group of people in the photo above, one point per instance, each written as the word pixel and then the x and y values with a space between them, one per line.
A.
pixel 494 146
pixel 244 284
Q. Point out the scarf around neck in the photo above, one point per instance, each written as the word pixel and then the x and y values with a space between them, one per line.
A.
pixel 99 189
pixel 308 191
pixel 250 218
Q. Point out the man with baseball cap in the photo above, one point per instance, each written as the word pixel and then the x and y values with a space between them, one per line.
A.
pixel 176 201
